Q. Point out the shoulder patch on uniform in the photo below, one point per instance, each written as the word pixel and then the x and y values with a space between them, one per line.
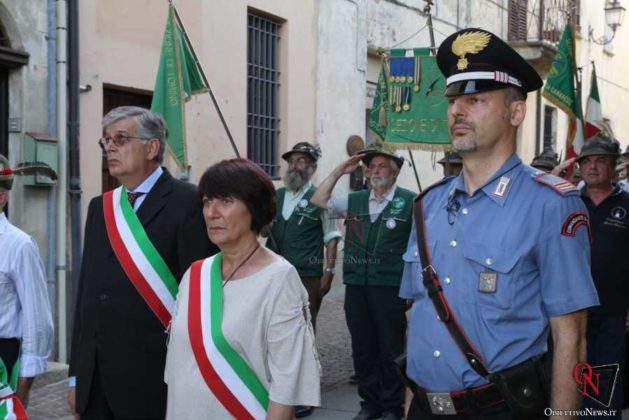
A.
pixel 436 184
pixel 573 222
pixel 558 184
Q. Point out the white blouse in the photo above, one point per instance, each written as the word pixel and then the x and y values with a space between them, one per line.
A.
pixel 266 320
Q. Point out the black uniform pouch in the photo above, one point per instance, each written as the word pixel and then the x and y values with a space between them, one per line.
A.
pixel 525 389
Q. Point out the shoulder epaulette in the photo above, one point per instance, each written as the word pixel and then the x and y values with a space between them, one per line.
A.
pixel 436 184
pixel 558 184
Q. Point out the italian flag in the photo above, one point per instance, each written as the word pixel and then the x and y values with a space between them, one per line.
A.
pixel 593 115
pixel 10 407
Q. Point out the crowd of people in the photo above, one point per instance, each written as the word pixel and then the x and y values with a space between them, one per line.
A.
pixel 476 299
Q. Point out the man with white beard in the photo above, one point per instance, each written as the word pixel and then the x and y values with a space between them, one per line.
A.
pixel 300 231
pixel 377 225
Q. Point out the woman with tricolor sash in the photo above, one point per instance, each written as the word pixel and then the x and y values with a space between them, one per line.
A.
pixel 241 342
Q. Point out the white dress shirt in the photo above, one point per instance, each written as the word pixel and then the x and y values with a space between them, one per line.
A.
pixel 145 187
pixel 337 205
pixel 24 305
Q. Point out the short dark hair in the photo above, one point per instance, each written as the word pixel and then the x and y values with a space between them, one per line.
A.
pixel 513 94
pixel 246 181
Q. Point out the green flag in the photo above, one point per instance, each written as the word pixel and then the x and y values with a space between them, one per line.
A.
pixel 559 87
pixel 178 77
pixel 560 90
pixel 378 114
pixel 409 108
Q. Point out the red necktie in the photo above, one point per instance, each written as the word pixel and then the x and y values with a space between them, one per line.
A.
pixel 133 196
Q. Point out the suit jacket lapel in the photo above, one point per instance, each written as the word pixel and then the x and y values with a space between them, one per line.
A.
pixel 156 198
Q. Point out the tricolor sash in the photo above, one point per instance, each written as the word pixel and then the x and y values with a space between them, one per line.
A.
pixel 226 373
pixel 137 255
pixel 10 406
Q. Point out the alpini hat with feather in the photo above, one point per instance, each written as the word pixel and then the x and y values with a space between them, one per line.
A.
pixel 475 60
pixel 6 174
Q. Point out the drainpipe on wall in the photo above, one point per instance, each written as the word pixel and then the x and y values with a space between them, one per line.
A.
pixel 52 130
pixel 63 175
pixel 75 168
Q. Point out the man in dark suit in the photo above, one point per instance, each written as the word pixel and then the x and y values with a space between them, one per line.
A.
pixel 135 253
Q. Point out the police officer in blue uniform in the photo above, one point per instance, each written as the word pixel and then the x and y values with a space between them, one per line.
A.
pixel 509 247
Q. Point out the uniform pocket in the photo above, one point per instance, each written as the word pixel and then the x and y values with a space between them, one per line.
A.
pixel 411 256
pixel 494 269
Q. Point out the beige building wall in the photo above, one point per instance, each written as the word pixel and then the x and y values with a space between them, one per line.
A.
pixel 612 66
pixel 120 45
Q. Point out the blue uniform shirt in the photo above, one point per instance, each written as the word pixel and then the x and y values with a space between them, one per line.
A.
pixel 527 240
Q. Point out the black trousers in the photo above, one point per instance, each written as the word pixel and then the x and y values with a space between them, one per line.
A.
pixel 9 353
pixel 97 406
pixel 377 325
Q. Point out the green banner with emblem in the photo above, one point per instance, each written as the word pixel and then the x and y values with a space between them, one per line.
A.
pixel 409 109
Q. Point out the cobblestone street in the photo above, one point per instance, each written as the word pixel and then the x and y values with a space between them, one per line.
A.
pixel 48 398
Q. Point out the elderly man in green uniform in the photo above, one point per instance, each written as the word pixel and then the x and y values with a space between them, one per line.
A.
pixel 378 223
pixel 301 229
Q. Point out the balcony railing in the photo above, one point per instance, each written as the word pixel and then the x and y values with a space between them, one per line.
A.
pixel 541 20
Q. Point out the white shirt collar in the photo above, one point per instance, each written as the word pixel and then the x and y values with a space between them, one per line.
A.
pixel 301 191
pixel 388 196
pixel 146 186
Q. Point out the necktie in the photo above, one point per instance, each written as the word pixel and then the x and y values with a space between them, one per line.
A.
pixel 133 196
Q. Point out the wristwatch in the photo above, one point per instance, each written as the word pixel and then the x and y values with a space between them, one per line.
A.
pixel 330 270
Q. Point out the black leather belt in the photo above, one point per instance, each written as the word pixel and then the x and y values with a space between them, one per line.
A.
pixel 458 402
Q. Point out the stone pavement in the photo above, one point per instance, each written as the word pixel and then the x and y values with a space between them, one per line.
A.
pixel 48 396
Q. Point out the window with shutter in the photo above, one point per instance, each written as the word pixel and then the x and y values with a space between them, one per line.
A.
pixel 517 20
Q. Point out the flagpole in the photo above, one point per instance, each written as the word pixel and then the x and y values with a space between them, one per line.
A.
pixel 579 81
pixel 207 83
pixel 432 46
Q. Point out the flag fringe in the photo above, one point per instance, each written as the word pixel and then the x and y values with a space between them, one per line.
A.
pixel 426 147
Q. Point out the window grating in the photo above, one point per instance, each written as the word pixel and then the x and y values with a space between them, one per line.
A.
pixel 262 92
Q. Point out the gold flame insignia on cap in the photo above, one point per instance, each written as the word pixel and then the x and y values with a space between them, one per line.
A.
pixel 469 43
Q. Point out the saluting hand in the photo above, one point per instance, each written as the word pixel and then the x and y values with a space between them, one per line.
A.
pixel 557 171
pixel 350 164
